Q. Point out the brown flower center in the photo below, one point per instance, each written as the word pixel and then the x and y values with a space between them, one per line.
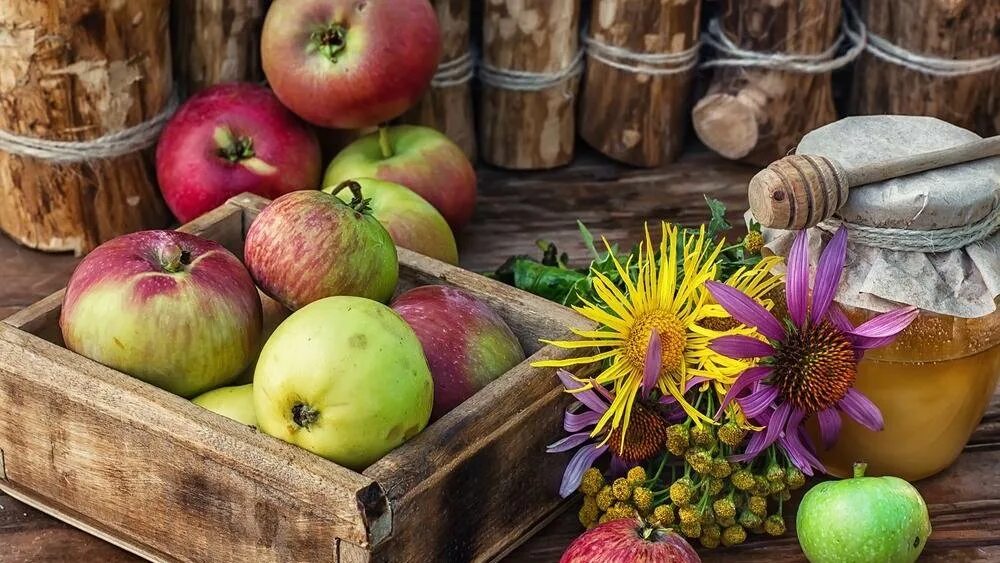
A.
pixel 815 367
pixel 646 436
pixel 673 339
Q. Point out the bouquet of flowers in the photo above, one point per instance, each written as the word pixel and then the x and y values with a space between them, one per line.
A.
pixel 703 364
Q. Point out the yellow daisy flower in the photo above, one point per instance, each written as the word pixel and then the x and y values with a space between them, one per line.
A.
pixel 666 296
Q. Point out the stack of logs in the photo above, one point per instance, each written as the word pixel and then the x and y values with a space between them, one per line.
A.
pixel 549 71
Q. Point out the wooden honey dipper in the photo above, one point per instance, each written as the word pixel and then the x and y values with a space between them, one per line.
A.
pixel 800 190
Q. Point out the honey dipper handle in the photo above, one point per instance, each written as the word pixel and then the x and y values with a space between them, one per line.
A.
pixel 912 164
pixel 800 190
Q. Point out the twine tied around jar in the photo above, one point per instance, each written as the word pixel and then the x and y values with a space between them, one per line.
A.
pixel 112 145
pixel 455 72
pixel 852 30
pixel 654 64
pixel 911 240
pixel 526 81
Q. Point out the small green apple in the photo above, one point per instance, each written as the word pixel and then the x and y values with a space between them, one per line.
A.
pixel 344 377
pixel 412 222
pixel 863 519
pixel 234 402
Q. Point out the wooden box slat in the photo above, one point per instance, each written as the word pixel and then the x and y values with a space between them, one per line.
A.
pixel 171 481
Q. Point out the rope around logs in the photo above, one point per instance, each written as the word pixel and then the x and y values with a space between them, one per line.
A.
pixel 907 240
pixel 119 143
pixel 852 29
pixel 525 81
pixel 883 49
pixel 654 64
pixel 455 72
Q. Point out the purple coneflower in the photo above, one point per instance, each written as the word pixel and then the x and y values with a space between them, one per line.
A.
pixel 808 366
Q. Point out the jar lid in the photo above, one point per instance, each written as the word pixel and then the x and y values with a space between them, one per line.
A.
pixel 935 199
pixel 890 261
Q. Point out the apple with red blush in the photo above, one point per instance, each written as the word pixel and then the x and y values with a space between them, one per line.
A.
pixel 420 158
pixel 173 309
pixel 466 343
pixel 350 64
pixel 629 540
pixel 229 139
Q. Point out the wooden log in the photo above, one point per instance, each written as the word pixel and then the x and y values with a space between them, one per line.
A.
pixel 757 115
pixel 447 105
pixel 216 41
pixel 529 126
pixel 635 117
pixel 73 71
pixel 962 29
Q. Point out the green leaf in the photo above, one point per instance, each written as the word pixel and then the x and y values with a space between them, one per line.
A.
pixel 717 224
pixel 588 239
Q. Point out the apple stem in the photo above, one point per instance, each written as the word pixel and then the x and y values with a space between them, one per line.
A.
pixel 384 141
pixel 173 258
pixel 859 469
pixel 330 41
pixel 233 149
pixel 358 202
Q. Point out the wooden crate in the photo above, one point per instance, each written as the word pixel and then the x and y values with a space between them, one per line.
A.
pixel 170 481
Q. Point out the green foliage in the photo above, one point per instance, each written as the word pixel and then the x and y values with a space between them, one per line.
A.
pixel 552 278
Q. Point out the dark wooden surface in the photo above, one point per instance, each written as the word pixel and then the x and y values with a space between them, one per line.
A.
pixel 514 211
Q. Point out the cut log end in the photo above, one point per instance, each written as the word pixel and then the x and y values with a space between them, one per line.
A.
pixel 726 125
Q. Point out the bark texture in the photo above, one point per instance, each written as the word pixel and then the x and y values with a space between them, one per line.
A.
pixel 73 70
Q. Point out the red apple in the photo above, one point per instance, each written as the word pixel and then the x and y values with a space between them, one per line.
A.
pixel 413 223
pixel 169 308
pixel 348 64
pixel 420 158
pixel 229 139
pixel 628 540
pixel 467 344
pixel 309 244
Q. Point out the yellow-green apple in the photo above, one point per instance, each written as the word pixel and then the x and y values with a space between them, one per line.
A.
pixel 235 402
pixel 417 157
pixel 466 343
pixel 309 244
pixel 345 378
pixel 413 223
pixel 169 308
pixel 229 139
pixel 348 64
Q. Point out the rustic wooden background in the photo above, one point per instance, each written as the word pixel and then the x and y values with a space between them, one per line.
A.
pixel 514 210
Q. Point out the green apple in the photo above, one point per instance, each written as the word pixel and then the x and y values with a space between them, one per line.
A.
pixel 235 402
pixel 413 223
pixel 420 158
pixel 345 378
pixel 863 519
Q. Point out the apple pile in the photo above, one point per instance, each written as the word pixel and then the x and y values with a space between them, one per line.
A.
pixel 349 373
pixel 341 64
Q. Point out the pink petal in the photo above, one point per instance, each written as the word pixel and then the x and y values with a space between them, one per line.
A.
pixel 568 443
pixel 573 422
pixel 776 425
pixel 651 369
pixel 862 343
pixel 794 443
pixel 581 461
pixel 839 319
pixel 754 446
pixel 588 397
pixel 829 426
pixel 746 379
pixel 887 324
pixel 746 310
pixel 828 272
pixel 862 410
pixel 740 347
pixel 618 466
pixel 691 384
pixel 758 401
pixel 797 279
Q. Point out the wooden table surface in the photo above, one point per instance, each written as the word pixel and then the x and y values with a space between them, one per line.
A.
pixel 514 210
